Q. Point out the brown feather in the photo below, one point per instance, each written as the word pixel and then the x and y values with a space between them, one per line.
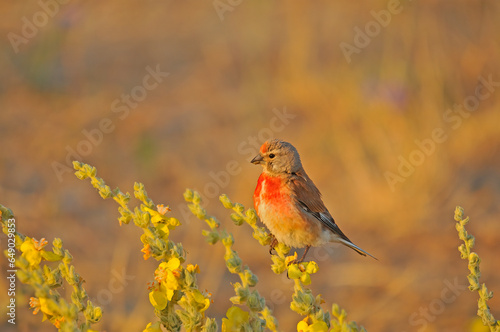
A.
pixel 280 160
pixel 308 195
pixel 307 192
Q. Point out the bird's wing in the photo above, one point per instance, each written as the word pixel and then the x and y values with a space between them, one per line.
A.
pixel 309 199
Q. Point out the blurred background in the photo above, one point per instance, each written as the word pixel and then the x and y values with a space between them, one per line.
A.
pixel 393 106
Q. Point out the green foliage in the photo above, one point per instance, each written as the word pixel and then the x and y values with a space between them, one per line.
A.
pixel 259 316
pixel 37 268
pixel 174 293
pixel 483 310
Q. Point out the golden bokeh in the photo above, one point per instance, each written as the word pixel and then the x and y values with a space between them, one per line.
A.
pixel 393 105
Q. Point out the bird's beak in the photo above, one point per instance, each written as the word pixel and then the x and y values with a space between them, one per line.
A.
pixel 257 160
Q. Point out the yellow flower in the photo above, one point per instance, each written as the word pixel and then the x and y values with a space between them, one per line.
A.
pixel 161 272
pixel 203 302
pixel 38 245
pixel 193 268
pixel 153 327
pixel 163 229
pixel 167 275
pixel 153 285
pixel 236 317
pixel 302 326
pixel 162 209
pixel 319 326
pixel 30 252
pixel 194 300
pixel 171 284
pixel 158 299
pixel 291 258
pixel 294 271
pixel 47 306
pixel 158 215
pixel 173 263
pixel 34 304
pixel 57 322
pixel 147 251
pixel 312 267
pixel 305 278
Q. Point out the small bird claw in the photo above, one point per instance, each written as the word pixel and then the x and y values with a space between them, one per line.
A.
pixel 273 244
pixel 298 261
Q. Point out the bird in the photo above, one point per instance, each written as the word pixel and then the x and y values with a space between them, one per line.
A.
pixel 289 203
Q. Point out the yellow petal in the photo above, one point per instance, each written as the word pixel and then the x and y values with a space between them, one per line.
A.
pixel 312 267
pixel 170 294
pixel 302 326
pixel 318 327
pixel 162 209
pixel 153 327
pixel 290 258
pixel 158 300
pixel 294 271
pixel 173 263
pixel 203 302
pixel 46 306
pixel 33 256
pixel 237 316
pixel 306 279
pixel 193 268
pixel 27 245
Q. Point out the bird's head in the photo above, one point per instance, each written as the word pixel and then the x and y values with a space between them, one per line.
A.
pixel 278 157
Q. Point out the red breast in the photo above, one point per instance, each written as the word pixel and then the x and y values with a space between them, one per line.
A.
pixel 269 189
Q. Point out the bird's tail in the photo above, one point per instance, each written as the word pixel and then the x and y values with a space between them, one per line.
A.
pixel 356 248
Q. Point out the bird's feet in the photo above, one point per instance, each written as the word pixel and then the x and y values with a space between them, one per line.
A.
pixel 301 259
pixel 295 261
pixel 273 244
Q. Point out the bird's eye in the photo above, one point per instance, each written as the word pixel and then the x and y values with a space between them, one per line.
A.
pixel 271 155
